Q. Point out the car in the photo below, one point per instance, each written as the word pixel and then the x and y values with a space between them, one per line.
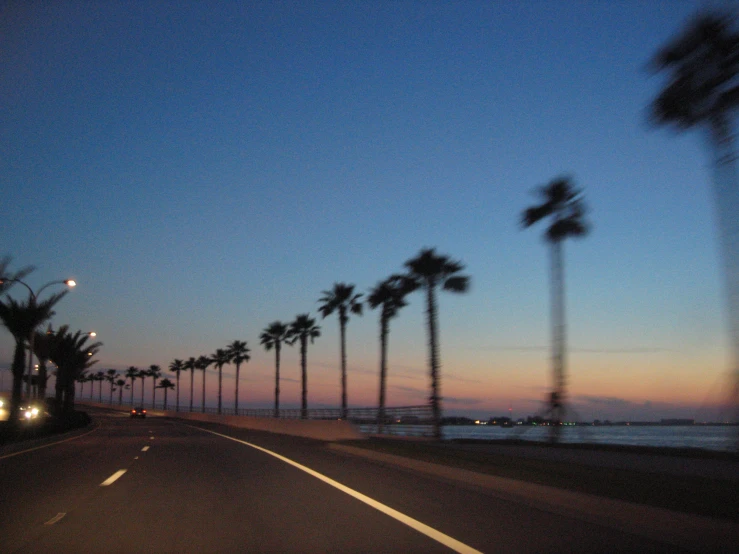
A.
pixel 31 413
pixel 138 412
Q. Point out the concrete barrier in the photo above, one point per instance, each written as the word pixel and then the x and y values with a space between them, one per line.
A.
pixel 326 430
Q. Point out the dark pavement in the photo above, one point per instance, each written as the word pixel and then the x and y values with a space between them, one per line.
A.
pixel 195 491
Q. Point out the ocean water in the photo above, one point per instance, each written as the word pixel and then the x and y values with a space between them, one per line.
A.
pixel 707 437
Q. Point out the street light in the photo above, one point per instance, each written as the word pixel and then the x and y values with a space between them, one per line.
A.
pixel 32 296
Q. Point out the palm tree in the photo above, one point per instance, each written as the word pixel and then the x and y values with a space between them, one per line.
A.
pixel 192 365
pixel 273 336
pixel 341 299
pixel 7 278
pixel 219 359
pixel 703 91
pixel 21 319
pixel 429 271
pixel 563 203
pixel 82 378
pixel 165 384
pixel 121 384
pixel 390 294
pixel 42 345
pixel 133 373
pixel 110 376
pixel 177 366
pixel 72 356
pixel 155 372
pixel 302 329
pixel 238 353
pixel 203 363
pixel 100 377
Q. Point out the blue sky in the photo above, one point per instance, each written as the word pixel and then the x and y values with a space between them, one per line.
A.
pixel 203 169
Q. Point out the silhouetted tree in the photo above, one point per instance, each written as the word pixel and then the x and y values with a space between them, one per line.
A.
pixel 192 364
pixel 390 294
pixel 272 337
pixel 133 373
pixel 72 356
pixel 120 384
pixel 110 376
pixel 219 359
pixel 203 363
pixel 177 367
pixel 155 372
pixel 301 329
pixel 563 204
pixel 341 298
pixel 238 353
pixel 165 384
pixel 430 271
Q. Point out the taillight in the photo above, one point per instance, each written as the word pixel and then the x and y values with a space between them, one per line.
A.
pixel 143 411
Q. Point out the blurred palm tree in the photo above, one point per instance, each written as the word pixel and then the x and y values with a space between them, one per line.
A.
pixel 21 319
pixel 165 384
pixel 272 337
pixel 133 373
pixel 42 345
pixel 82 378
pixel 563 204
pixel 110 376
pixel 155 372
pixel 192 364
pixel 238 353
pixel 219 359
pixel 72 356
pixel 390 294
pixel 9 278
pixel 203 362
pixel 301 329
pixel 99 378
pixel 177 367
pixel 341 298
pixel 703 91
pixel 120 385
pixel 430 271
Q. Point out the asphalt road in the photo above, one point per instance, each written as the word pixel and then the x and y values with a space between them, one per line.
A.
pixel 158 485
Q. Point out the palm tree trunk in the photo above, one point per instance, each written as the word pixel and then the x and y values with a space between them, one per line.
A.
pixel 143 388
pixel 236 390
pixel 304 377
pixel 42 378
pixel 177 403
pixel 120 396
pixel 557 399
pixel 277 379
pixel 433 360
pixel 154 393
pixel 16 395
pixel 383 371
pixel 192 386
pixel 165 399
pixel 202 407
pixel 726 198
pixel 342 333
pixel 220 386
pixel 132 382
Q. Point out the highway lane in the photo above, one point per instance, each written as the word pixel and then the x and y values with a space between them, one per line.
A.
pixel 195 491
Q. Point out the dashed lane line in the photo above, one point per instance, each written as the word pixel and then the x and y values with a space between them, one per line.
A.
pixel 422 528
pixel 144 449
pixel 56 518
pixel 113 478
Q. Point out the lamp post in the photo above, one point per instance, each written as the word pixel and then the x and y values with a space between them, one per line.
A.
pixel 32 296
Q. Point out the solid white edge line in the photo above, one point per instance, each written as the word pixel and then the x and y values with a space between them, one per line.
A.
pixel 144 449
pixel 113 478
pixel 50 444
pixel 56 518
pixel 422 528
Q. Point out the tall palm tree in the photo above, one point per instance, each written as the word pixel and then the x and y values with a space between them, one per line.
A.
pixel 390 294
pixel 177 367
pixel 563 204
pixel 110 376
pixel 9 278
pixel 42 345
pixel 341 299
pixel 72 356
pixel 165 384
pixel 219 359
pixel 99 378
pixel 703 91
pixel 203 363
pixel 301 329
pixel 82 378
pixel 121 384
pixel 429 271
pixel 191 364
pixel 238 353
pixel 272 337
pixel 21 319
pixel 155 372
pixel 133 373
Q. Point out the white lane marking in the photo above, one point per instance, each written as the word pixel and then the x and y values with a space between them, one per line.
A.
pixel 56 518
pixel 136 458
pixel 46 445
pixel 422 528
pixel 151 438
pixel 113 478
pixel 144 449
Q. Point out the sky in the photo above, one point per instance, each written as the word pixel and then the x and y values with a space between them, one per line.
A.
pixel 202 169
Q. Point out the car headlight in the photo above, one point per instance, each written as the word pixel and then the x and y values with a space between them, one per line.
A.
pixel 27 414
